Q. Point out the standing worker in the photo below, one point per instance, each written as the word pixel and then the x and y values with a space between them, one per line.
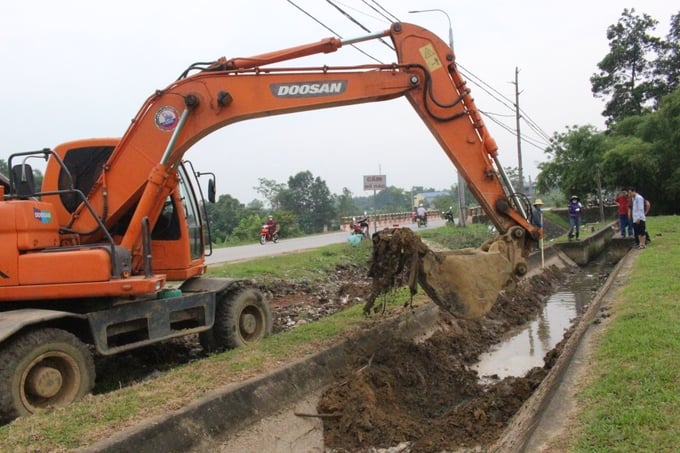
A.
pixel 575 210
pixel 623 200
pixel 537 220
pixel 537 214
pixel 638 213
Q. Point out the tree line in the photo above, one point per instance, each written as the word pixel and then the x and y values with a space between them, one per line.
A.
pixel 639 79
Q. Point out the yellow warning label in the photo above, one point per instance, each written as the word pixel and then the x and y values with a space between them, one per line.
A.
pixel 431 58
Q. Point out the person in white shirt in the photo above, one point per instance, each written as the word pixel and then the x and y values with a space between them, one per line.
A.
pixel 639 208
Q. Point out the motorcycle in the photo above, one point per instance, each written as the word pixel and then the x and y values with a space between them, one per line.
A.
pixel 448 216
pixel 422 221
pixel 268 236
pixel 360 227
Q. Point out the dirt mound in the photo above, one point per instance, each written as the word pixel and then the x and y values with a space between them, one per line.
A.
pixel 464 282
pixel 425 394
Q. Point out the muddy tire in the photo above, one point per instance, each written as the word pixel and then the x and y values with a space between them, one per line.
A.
pixel 42 369
pixel 241 318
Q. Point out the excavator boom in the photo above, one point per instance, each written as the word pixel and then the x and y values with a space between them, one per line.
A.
pixel 227 91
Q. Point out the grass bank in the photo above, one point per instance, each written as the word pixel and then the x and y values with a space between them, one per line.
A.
pixel 631 398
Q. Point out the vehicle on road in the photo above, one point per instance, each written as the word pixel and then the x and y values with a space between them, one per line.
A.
pixel 267 235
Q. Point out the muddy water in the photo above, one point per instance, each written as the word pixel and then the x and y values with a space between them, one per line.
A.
pixel 527 347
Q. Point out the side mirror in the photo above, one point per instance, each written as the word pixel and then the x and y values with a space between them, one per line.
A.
pixel 22 179
pixel 211 190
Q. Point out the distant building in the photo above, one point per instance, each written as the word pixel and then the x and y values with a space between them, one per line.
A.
pixel 427 198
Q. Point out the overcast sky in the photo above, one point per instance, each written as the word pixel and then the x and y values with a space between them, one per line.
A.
pixel 76 69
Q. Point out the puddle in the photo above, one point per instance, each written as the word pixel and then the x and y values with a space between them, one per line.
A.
pixel 527 348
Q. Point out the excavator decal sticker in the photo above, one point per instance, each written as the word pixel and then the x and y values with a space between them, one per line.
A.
pixel 166 118
pixel 43 216
pixel 430 56
pixel 308 89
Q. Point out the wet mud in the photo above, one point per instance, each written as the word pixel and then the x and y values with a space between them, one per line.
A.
pixel 425 396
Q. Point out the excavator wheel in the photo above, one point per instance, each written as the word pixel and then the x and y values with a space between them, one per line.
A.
pixel 41 369
pixel 241 318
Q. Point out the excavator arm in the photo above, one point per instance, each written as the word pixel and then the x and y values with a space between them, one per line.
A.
pixel 142 167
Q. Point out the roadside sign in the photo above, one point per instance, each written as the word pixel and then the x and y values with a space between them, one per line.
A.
pixel 375 182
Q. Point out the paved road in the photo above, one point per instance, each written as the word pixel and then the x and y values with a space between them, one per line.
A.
pixel 256 250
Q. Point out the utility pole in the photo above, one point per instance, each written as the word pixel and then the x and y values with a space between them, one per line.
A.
pixel 520 174
pixel 598 176
pixel 461 181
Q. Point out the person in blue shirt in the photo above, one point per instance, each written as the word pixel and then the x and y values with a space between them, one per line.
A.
pixel 575 211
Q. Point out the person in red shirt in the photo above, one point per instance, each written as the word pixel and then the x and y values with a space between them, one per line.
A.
pixel 623 200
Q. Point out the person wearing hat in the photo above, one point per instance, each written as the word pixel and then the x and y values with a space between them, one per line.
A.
pixel 537 213
pixel 537 219
pixel 575 210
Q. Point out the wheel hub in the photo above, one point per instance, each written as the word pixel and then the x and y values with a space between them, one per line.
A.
pixel 44 381
pixel 248 324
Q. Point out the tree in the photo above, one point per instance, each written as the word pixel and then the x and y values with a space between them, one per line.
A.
pixel 644 151
pixel 224 216
pixel 450 201
pixel 310 200
pixel 271 191
pixel 392 199
pixel 627 72
pixel 573 156
pixel 248 228
pixel 344 203
pixel 668 65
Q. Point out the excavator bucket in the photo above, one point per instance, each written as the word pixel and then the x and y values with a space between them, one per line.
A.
pixel 465 282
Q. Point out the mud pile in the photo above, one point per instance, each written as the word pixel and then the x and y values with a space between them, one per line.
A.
pixel 463 282
pixel 425 395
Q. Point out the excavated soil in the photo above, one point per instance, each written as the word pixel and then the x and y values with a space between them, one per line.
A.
pixel 423 397
pixel 402 396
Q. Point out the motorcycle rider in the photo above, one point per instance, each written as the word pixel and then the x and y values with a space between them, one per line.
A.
pixel 448 215
pixel 422 213
pixel 363 224
pixel 271 224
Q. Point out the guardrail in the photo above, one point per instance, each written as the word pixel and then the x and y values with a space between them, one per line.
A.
pixel 388 220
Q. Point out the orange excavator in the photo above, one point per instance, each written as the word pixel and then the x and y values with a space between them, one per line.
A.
pixel 90 258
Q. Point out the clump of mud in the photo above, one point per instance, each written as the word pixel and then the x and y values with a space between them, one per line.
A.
pixel 463 282
pixel 425 394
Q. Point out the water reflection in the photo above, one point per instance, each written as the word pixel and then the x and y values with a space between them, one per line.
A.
pixel 527 348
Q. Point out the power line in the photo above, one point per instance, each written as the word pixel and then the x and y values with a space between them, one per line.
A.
pixel 333 31
pixel 474 79
pixel 353 20
pixel 394 18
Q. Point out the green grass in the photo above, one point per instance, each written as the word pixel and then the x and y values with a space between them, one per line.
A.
pixel 633 400
pixel 453 238
pixel 312 264
pixel 556 218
